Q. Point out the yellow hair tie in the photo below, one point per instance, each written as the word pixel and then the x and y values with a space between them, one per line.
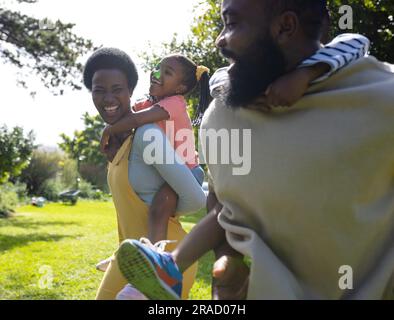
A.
pixel 200 71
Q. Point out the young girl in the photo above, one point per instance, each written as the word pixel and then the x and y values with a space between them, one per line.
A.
pixel 173 78
pixel 158 274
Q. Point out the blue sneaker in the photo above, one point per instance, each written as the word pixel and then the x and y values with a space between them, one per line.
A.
pixel 150 270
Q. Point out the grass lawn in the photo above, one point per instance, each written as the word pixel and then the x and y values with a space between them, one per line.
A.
pixel 51 252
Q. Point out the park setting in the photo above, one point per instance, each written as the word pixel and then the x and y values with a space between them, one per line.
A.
pixel 67 168
pixel 51 252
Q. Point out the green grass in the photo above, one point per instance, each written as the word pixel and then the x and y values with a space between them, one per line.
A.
pixel 60 245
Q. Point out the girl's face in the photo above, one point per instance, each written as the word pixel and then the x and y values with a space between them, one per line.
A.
pixel 111 94
pixel 167 79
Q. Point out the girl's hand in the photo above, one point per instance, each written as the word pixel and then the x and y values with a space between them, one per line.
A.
pixel 112 148
pixel 288 89
pixel 283 92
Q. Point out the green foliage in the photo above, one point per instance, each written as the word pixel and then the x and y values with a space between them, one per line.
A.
pixel 21 191
pixel 84 147
pixel 8 199
pixel 100 195
pixel 47 48
pixel 51 188
pixel 69 172
pixel 86 189
pixel 15 152
pixel 49 173
pixel 44 166
pixel 95 174
pixel 89 191
pixel 374 19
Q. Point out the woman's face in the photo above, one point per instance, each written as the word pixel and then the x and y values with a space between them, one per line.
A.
pixel 111 94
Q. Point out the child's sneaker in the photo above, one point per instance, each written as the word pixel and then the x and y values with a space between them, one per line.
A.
pixel 149 269
pixel 130 293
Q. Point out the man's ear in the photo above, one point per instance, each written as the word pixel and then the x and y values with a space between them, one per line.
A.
pixel 284 27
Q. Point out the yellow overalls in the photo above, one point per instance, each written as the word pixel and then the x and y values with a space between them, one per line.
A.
pixel 132 216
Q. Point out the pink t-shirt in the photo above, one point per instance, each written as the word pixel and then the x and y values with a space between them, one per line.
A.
pixel 178 128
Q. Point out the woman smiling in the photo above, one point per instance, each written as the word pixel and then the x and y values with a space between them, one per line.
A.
pixel 111 77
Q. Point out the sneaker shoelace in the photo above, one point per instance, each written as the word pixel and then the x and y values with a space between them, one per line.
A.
pixel 158 246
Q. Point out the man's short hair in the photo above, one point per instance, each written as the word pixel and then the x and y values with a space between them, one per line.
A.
pixel 110 58
pixel 313 14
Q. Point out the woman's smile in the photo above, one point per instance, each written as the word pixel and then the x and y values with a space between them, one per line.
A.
pixel 111 110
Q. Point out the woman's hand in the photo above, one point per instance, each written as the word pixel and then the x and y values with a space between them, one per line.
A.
pixel 104 143
pixel 112 148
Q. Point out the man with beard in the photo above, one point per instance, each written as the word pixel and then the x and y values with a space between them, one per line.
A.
pixel 315 214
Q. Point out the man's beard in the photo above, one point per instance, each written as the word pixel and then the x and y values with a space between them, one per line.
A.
pixel 253 72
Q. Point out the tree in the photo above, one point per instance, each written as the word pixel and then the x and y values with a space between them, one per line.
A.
pixel 374 19
pixel 84 147
pixel 47 48
pixel 43 166
pixel 69 174
pixel 15 152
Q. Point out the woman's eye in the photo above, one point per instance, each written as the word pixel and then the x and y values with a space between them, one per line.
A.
pixel 118 90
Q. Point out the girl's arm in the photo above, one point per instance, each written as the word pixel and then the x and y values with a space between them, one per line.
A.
pixel 340 52
pixel 137 119
pixel 131 121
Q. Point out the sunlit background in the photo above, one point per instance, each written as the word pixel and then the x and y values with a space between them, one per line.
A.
pixel 128 25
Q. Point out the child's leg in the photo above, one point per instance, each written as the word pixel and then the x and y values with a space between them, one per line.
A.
pixel 163 207
pixel 205 236
pixel 158 274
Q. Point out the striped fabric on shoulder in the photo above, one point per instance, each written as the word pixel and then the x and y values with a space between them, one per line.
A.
pixel 341 51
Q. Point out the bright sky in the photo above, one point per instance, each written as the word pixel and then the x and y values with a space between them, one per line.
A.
pixel 126 24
